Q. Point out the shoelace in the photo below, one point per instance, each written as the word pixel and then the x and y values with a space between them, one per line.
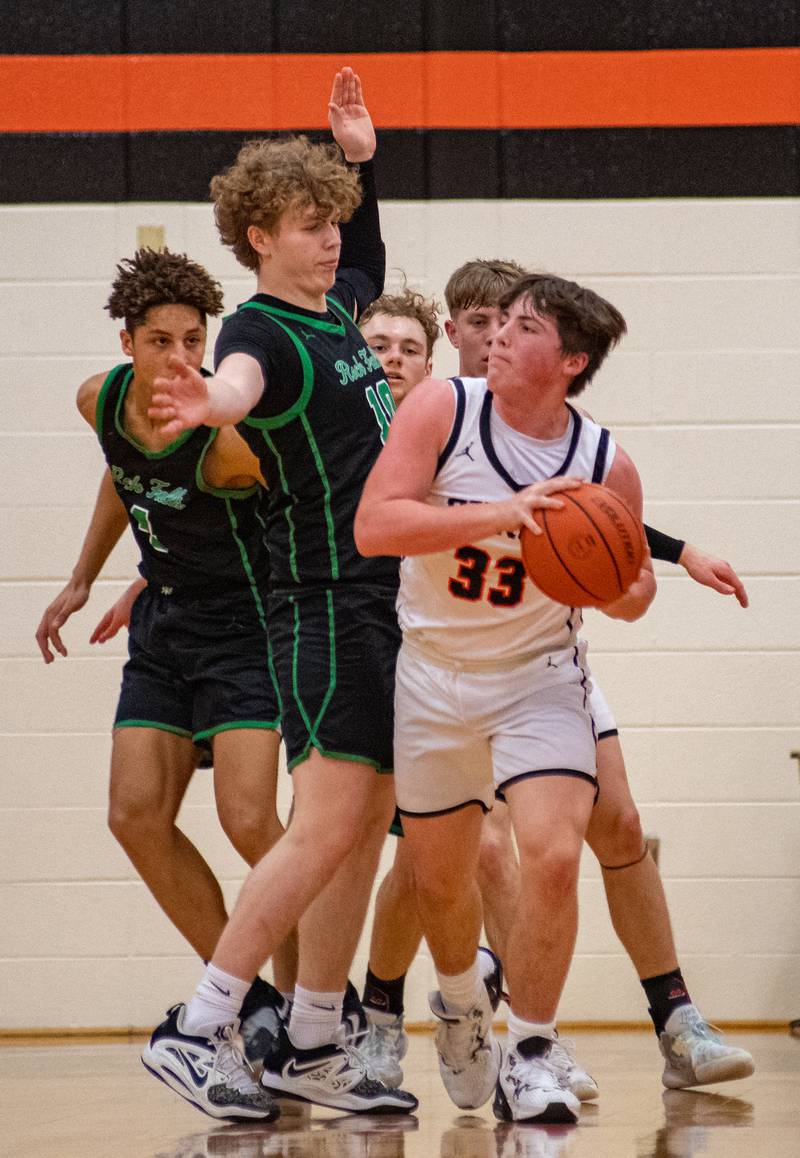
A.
pixel 379 1038
pixel 465 1037
pixel 524 1077
pixel 231 1063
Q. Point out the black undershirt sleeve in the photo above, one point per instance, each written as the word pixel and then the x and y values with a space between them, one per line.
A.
pixel 663 546
pixel 362 245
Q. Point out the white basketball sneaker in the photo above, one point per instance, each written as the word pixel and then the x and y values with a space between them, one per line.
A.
pixel 211 1074
pixel 573 1075
pixel 334 1075
pixel 469 1053
pixel 530 1089
pixel 697 1056
pixel 384 1046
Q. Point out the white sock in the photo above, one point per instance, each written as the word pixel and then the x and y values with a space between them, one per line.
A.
pixel 460 991
pixel 681 1018
pixel 217 1001
pixel 518 1029
pixel 315 1018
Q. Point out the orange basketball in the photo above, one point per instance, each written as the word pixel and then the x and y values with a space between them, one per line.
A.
pixel 590 551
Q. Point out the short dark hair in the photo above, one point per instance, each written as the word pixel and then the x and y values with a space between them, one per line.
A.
pixel 408 304
pixel 479 283
pixel 586 323
pixel 156 277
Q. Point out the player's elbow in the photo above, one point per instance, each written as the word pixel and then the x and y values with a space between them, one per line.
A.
pixel 367 532
pixel 634 604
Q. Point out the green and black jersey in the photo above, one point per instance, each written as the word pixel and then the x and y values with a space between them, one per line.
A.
pixel 317 431
pixel 194 538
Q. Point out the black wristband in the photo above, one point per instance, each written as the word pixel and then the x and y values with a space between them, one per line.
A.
pixel 663 546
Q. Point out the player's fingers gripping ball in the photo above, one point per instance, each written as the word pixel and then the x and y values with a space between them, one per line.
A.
pixel 590 551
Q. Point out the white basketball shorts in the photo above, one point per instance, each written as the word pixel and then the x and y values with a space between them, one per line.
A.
pixel 461 736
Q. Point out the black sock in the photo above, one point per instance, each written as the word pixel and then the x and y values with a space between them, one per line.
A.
pixel 384 996
pixel 665 993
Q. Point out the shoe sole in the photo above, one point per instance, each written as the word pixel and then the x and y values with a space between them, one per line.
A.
pixel 722 1070
pixel 174 1083
pixel 555 1113
pixel 348 1106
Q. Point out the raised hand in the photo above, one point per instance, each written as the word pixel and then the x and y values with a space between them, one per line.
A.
pixel 350 122
pixel 180 400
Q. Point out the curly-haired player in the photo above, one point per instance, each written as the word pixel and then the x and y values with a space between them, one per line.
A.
pixel 198 666
pixel 314 404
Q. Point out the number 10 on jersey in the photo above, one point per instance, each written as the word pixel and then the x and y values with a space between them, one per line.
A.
pixel 382 405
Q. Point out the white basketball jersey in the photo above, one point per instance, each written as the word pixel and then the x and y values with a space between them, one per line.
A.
pixel 474 606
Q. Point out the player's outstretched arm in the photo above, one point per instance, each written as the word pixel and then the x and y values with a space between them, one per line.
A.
pixel 393 517
pixel 623 478
pixel 119 615
pixel 108 521
pixel 183 399
pixel 712 572
pixel 349 119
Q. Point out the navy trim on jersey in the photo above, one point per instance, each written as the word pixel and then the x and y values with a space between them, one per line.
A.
pixel 458 422
pixel 500 792
pixel 443 811
pixel 491 453
pixel 607 734
pixel 599 471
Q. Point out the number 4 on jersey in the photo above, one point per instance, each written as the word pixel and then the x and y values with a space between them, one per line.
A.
pixel 142 516
pixel 382 405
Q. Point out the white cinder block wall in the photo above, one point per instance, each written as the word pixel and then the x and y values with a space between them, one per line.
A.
pixel 705 394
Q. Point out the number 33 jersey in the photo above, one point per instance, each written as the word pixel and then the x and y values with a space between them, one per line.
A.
pixel 194 538
pixel 474 606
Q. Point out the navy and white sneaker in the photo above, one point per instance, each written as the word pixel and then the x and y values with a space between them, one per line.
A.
pixel 213 1075
pixel 354 1018
pixel 264 1010
pixel 530 1087
pixel 333 1075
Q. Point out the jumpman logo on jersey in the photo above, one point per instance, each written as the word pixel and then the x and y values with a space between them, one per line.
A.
pixel 466 451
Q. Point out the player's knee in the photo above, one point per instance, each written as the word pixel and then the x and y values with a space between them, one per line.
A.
pixel 551 865
pixel 252 830
pixel 323 847
pixel 135 823
pixel 619 840
pixel 496 857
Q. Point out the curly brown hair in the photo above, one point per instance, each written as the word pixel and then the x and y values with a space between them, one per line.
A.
pixel 408 304
pixel 479 283
pixel 586 323
pixel 156 277
pixel 269 175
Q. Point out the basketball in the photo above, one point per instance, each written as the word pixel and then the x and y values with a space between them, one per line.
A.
pixel 590 551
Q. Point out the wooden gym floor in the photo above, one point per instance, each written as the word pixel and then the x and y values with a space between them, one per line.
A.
pixel 88 1101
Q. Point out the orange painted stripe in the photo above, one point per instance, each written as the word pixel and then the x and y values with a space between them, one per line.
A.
pixel 448 90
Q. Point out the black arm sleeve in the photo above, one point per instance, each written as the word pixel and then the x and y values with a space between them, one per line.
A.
pixel 362 244
pixel 663 546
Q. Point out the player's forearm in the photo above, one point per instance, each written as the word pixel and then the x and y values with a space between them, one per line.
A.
pixel 105 529
pixel 411 527
pixel 228 402
pixel 362 243
pixel 663 546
